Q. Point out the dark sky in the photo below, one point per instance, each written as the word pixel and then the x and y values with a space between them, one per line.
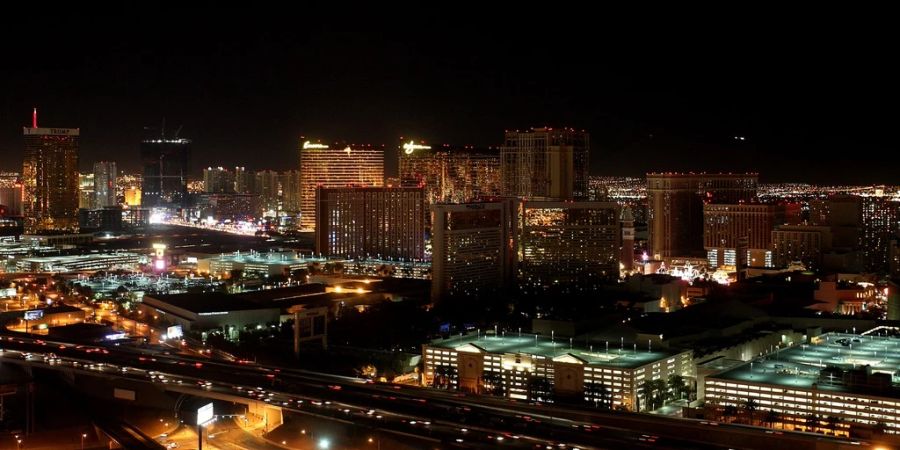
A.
pixel 815 103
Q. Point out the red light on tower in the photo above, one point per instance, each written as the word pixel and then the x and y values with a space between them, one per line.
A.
pixel 34 118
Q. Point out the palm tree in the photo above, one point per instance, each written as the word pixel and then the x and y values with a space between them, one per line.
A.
pixel 833 422
pixel 771 418
pixel 811 422
pixel 663 395
pixel 599 395
pixel 676 385
pixel 730 411
pixel 492 384
pixel 645 391
pixel 750 407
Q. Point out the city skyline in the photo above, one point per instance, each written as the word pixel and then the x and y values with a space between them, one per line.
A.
pixel 733 107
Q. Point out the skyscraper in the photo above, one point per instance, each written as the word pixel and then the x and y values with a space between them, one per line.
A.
pixel 50 176
pixel 218 180
pixel 243 181
pixel 290 191
pixel 266 187
pixel 472 248
pixel 545 163
pixel 85 190
pixel 880 225
pixel 104 184
pixel 166 165
pixel 382 222
pixel 676 207
pixel 724 225
pixel 335 166
pixel 567 246
pixel 450 174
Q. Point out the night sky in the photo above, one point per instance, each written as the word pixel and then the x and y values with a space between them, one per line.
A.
pixel 815 104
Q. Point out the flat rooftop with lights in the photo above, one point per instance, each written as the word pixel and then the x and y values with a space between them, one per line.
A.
pixel 628 358
pixel 802 365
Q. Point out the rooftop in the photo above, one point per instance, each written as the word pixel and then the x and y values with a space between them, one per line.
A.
pixel 629 357
pixel 207 302
pixel 800 365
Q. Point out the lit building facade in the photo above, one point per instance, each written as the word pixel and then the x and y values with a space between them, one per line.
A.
pixel 167 165
pixel 450 174
pixel 379 222
pixel 802 243
pixel 335 166
pixel 105 175
pixel 567 245
pixel 266 187
pixel 85 190
pixel 880 225
pixel 748 227
pixel 472 248
pixel 509 365
pixel 676 207
pixel 545 163
pixel 243 181
pixel 218 180
pixel 846 376
pixel 11 194
pixel 290 191
pixel 50 178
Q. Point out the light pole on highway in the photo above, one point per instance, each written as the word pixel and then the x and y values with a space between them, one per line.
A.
pixel 83 435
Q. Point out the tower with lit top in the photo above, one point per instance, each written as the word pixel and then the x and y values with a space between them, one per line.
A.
pixel 332 166
pixel 50 177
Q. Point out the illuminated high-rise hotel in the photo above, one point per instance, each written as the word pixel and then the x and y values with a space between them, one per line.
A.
pixel 50 176
pixel 377 222
pixel 676 200
pixel 104 184
pixel 567 246
pixel 450 174
pixel 331 166
pixel 545 163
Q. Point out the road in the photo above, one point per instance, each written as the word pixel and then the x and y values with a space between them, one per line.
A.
pixel 445 418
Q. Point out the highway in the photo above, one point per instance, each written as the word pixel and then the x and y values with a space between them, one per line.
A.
pixel 450 419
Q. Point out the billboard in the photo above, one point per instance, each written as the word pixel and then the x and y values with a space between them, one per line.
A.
pixel 174 332
pixel 123 394
pixel 205 414
pixel 34 314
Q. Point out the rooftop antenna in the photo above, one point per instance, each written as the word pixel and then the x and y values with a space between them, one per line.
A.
pixel 163 129
pixel 34 118
pixel 177 131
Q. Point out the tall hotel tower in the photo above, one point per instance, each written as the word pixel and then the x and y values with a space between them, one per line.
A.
pixel 545 163
pixel 331 166
pixel 50 177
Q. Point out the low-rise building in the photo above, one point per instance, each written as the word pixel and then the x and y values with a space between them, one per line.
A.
pixel 528 367
pixel 209 311
pixel 836 380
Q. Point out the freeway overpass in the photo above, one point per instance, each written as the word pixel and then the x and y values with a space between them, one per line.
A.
pixel 454 419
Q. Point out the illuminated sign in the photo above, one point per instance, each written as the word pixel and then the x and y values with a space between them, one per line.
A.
pixel 217 313
pixel 411 146
pixel 116 336
pixel 35 314
pixel 174 332
pixel 205 414
pixel 310 145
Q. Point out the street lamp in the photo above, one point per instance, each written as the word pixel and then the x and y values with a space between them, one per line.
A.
pixel 83 435
pixel 324 444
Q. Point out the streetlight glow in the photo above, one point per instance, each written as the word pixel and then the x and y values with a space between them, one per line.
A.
pixel 324 443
